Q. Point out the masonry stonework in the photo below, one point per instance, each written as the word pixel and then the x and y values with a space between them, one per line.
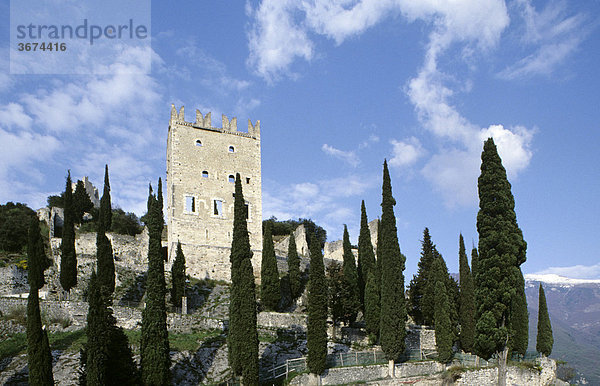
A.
pixel 202 162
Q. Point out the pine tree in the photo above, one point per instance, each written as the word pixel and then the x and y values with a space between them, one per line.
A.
pixel 105 261
pixel 372 308
pixel 467 300
pixel 545 340
pixel 443 329
pixel 155 360
pixel 421 310
pixel 39 358
pixel 366 256
pixel 178 277
pixel 352 301
pixel 501 251
pixel 105 201
pixel 294 268
pixel 316 334
pixel 68 259
pixel 81 202
pixel 270 289
pixel 393 307
pixel 242 339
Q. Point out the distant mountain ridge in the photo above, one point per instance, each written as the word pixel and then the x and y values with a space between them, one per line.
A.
pixel 574 307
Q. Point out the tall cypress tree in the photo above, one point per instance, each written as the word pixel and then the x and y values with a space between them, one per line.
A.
pixel 316 334
pixel 420 312
pixel 155 360
pixel 393 307
pixel 501 252
pixel 178 277
pixel 294 267
pixel 105 201
pixel 108 359
pixel 105 261
pixel 352 302
pixel 270 288
pixel 545 340
pixel 366 256
pixel 519 321
pixel 39 358
pixel 443 328
pixel 372 308
pixel 68 258
pixel 474 258
pixel 242 339
pixel 467 300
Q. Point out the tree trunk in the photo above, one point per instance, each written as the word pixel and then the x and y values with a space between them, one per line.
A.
pixel 391 369
pixel 502 360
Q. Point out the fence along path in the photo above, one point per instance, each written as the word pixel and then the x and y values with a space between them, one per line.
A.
pixel 377 357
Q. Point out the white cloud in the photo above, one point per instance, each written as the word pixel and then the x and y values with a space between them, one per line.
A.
pixel 349 157
pixel 405 153
pixel 99 119
pixel 575 271
pixel 274 40
pixel 551 34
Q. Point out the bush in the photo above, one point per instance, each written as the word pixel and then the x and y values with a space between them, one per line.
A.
pixel 14 225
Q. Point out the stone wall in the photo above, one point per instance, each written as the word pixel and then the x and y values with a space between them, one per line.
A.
pixel 283 320
pixel 334 250
pixel 201 162
pixel 515 375
pixel 13 280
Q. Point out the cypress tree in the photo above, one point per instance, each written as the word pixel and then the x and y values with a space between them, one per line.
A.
pixel 105 261
pixel 366 256
pixel 352 301
pixel 467 300
pixel 337 291
pixel 178 277
pixel 372 309
pixel 294 268
pixel 443 327
pixel 154 350
pixel 316 334
pixel 39 358
pixel 81 202
pixel 37 262
pixel 68 258
pixel 393 307
pixel 106 216
pixel 108 359
pixel 419 308
pixel 501 252
pixel 545 340
pixel 270 289
pixel 242 339
pixel 474 258
pixel 519 321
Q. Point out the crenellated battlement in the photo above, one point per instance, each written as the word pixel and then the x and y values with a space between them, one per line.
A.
pixel 205 122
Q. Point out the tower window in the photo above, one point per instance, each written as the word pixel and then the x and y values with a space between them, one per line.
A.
pixel 217 207
pixel 247 180
pixel 198 142
pixel 247 207
pixel 205 174
pixel 231 149
pixel 231 178
pixel 190 204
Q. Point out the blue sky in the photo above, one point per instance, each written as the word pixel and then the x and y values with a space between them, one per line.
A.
pixel 338 86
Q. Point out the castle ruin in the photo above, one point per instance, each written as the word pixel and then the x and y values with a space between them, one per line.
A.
pixel 202 162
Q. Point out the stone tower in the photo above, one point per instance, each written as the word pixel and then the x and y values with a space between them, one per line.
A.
pixel 202 162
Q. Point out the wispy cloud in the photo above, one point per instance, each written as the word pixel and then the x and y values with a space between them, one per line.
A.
pixel 349 157
pixel 281 33
pixel 551 35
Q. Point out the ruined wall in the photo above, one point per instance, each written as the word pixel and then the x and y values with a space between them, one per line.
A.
pixel 334 250
pixel 281 247
pixel 202 161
